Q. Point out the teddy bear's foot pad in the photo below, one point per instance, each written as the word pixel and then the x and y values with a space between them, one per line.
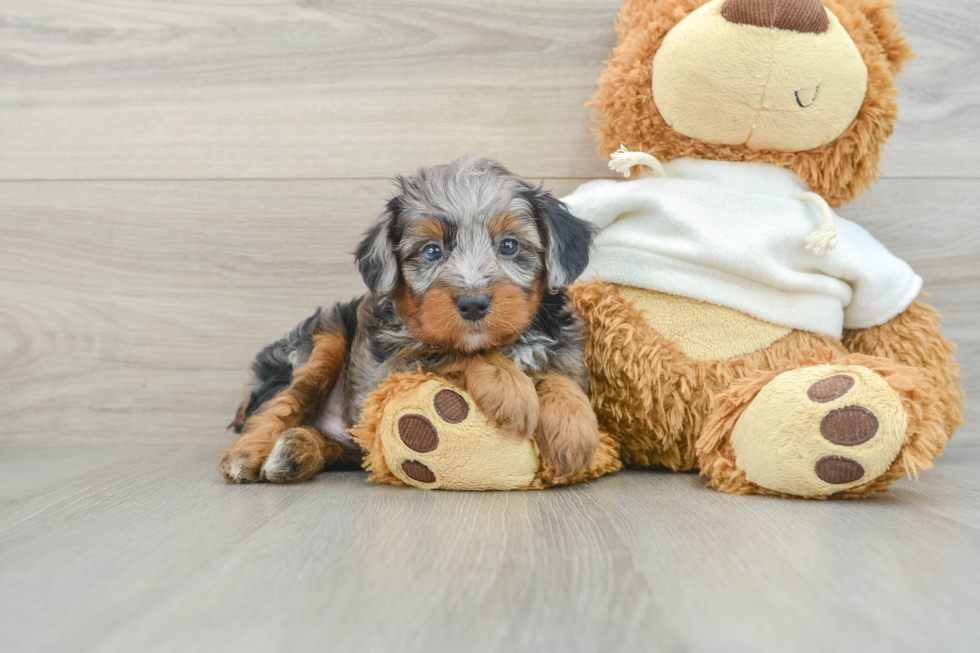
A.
pixel 437 438
pixel 818 430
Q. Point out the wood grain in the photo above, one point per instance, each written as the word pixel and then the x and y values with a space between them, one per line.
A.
pixel 141 548
pixel 152 89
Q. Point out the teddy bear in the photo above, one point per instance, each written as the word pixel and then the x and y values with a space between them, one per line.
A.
pixel 737 325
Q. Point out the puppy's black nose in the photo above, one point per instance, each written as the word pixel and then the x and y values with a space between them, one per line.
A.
pixel 473 307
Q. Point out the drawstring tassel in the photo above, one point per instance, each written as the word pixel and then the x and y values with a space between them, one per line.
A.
pixel 823 239
pixel 623 161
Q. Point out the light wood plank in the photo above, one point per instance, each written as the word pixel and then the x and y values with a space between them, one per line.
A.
pixel 367 88
pixel 133 309
pixel 153 89
pixel 938 130
pixel 143 548
pixel 129 311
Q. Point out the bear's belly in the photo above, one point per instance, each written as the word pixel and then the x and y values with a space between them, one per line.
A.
pixel 703 331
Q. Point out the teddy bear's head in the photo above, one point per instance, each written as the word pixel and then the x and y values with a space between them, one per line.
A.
pixel 804 84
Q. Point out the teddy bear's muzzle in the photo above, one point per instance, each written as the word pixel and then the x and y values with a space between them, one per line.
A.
pixel 779 75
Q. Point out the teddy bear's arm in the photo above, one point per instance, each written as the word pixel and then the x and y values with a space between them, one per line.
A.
pixel 913 337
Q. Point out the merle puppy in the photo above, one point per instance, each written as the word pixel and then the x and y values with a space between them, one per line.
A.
pixel 467 269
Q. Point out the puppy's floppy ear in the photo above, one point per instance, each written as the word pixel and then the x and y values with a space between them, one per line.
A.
pixel 375 254
pixel 567 239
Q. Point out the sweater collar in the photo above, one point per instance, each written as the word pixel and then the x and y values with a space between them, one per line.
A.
pixel 765 178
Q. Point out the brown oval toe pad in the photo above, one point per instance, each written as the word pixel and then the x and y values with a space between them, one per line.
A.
pixel 849 426
pixel 833 387
pixel 451 406
pixel 418 434
pixel 418 472
pixel 838 470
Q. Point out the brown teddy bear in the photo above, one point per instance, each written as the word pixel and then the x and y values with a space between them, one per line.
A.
pixel 737 325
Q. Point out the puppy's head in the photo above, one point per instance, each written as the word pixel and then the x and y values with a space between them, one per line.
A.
pixel 467 250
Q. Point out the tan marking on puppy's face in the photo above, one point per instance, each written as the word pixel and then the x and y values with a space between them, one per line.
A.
pixel 767 88
pixel 507 223
pixel 499 253
pixel 434 319
pixel 429 230
pixel 512 309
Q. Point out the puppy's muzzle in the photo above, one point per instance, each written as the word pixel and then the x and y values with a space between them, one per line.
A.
pixel 473 307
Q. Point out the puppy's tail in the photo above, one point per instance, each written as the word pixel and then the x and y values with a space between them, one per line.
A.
pixel 238 423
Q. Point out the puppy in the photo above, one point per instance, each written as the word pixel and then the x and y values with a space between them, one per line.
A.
pixel 467 269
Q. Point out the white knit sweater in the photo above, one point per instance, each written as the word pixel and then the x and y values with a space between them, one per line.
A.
pixel 733 234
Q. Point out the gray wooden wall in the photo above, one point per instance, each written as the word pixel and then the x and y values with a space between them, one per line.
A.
pixel 181 182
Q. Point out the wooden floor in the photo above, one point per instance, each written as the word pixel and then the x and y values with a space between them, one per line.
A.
pixel 180 182
pixel 137 547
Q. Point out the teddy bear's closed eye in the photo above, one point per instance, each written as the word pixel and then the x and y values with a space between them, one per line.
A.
pixel 807 97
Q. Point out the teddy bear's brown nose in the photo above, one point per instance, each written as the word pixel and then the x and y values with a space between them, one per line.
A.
pixel 795 15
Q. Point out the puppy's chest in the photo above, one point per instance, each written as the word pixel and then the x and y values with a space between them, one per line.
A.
pixel 531 354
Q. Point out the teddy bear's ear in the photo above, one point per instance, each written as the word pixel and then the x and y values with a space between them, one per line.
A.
pixel 884 21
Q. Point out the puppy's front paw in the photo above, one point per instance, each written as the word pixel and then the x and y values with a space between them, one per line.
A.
pixel 506 397
pixel 568 433
pixel 567 447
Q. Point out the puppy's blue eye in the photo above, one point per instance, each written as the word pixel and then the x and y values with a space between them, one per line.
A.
pixel 508 247
pixel 432 252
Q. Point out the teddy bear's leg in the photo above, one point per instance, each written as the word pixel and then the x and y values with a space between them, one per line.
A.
pixel 420 430
pixel 847 428
pixel 914 338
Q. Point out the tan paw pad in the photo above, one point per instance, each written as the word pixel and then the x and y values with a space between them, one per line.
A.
pixel 437 438
pixel 818 430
